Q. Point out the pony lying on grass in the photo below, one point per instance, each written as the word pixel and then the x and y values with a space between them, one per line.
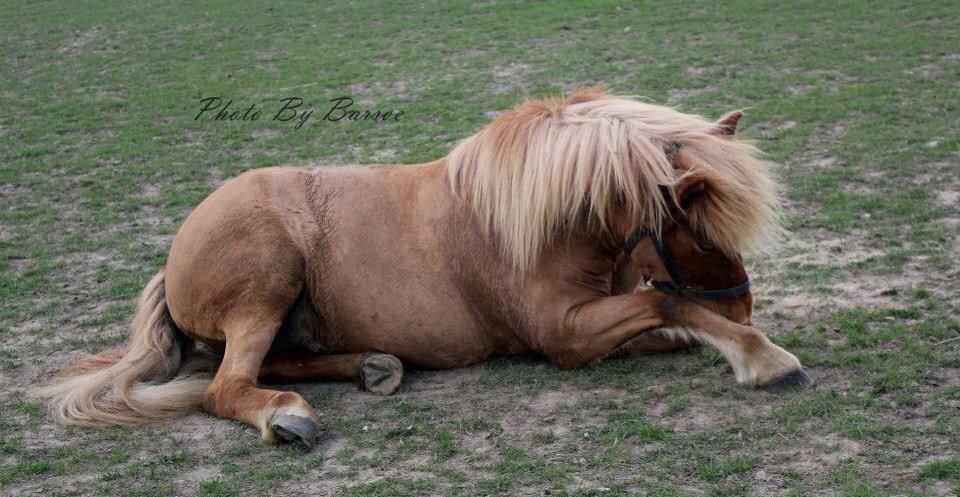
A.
pixel 534 235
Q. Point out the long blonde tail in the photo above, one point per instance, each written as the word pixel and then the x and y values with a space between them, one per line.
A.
pixel 132 384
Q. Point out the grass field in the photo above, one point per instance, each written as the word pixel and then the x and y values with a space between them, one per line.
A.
pixel 857 101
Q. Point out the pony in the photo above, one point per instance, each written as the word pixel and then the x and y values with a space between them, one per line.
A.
pixel 576 228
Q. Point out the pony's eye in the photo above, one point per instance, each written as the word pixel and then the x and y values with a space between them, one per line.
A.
pixel 705 247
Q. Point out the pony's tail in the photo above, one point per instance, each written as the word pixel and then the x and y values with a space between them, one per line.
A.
pixel 140 382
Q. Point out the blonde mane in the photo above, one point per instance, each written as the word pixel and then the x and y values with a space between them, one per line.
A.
pixel 533 172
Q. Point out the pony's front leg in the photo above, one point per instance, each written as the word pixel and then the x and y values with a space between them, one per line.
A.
pixel 235 393
pixel 655 342
pixel 756 361
pixel 590 331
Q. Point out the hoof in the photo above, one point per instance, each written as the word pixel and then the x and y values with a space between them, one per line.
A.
pixel 381 373
pixel 797 380
pixel 295 428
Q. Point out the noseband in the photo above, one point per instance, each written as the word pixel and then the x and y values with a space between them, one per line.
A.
pixel 676 285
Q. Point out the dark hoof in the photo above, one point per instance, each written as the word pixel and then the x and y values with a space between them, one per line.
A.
pixel 797 380
pixel 295 428
pixel 381 373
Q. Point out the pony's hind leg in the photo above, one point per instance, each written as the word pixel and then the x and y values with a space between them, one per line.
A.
pixel 377 373
pixel 235 393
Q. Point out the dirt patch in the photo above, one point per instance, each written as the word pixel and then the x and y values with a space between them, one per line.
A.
pixel 82 41
pixel 679 94
pixel 509 78
pixel 366 93
pixel 266 133
pixel 926 70
pixel 787 292
pixel 948 197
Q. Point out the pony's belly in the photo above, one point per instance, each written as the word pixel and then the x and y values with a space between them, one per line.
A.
pixel 424 342
pixel 435 347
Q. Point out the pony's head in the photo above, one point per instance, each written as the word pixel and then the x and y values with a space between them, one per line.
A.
pixel 683 258
pixel 612 164
pixel 679 261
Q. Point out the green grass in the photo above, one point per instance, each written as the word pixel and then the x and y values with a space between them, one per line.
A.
pixel 856 101
pixel 392 487
pixel 942 469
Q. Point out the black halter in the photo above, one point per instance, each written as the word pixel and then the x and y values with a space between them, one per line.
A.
pixel 676 285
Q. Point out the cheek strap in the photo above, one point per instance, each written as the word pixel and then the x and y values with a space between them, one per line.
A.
pixel 677 286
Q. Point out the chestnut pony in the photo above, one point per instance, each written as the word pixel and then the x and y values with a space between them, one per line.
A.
pixel 534 235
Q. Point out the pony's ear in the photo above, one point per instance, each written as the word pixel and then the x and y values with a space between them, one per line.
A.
pixel 727 124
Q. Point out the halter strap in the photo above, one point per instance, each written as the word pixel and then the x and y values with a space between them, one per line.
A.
pixel 677 285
